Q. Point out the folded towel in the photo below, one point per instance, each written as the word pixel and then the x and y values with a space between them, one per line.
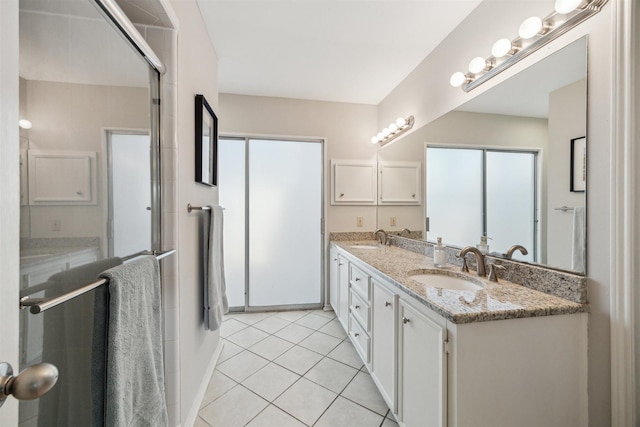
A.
pixel 578 249
pixel 134 390
pixel 215 290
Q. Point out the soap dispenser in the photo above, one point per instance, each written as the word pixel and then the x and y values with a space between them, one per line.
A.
pixel 483 246
pixel 439 254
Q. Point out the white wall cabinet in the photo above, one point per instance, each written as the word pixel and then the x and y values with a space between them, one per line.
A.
pixel 434 373
pixel 353 182
pixel 62 177
pixel 399 183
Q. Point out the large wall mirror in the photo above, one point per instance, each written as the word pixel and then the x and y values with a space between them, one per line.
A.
pixel 89 165
pixel 510 165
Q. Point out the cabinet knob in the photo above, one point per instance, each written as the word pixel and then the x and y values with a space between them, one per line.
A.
pixel 340 263
pixel 341 194
pixel 357 307
pixel 356 334
pixel 387 303
pixel 405 320
pixel 413 195
pixel 335 259
pixel 357 279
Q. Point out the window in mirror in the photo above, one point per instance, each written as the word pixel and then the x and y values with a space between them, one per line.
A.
pixel 482 192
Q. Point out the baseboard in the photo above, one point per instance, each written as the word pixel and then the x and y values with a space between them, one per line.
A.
pixel 195 408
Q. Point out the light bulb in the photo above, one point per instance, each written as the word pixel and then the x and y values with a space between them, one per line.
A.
pixel 374 139
pixel 530 27
pixel 567 6
pixel 380 136
pixel 477 65
pixel 25 124
pixel 501 48
pixel 457 79
pixel 400 122
pixel 386 132
pixel 393 127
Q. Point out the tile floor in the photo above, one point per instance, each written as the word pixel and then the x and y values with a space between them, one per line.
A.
pixel 290 369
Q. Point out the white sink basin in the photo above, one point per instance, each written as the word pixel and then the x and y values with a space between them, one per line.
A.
pixel 453 281
pixel 365 246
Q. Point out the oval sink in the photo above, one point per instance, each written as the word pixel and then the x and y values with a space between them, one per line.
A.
pixel 365 246
pixel 435 279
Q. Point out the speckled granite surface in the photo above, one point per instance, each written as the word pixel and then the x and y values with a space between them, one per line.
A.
pixel 494 301
pixel 40 251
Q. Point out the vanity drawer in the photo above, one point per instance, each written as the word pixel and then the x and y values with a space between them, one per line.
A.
pixel 360 281
pixel 360 339
pixel 360 310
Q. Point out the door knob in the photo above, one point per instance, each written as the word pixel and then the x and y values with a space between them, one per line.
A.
pixel 29 384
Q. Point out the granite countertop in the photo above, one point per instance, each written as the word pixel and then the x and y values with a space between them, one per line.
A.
pixel 35 256
pixel 495 301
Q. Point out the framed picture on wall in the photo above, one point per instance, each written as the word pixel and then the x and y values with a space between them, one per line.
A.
pixel 578 164
pixel 206 132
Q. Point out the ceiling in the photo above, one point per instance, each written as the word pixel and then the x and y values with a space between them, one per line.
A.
pixel 353 51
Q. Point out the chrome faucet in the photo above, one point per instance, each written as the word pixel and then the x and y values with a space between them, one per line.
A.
pixel 383 238
pixel 482 271
pixel 514 248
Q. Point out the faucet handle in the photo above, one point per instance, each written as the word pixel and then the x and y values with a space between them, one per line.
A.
pixel 465 267
pixel 493 275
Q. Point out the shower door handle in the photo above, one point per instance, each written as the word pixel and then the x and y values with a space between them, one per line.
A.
pixel 33 382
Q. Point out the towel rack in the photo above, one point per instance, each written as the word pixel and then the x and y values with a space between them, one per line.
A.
pixel 190 208
pixel 38 305
pixel 564 209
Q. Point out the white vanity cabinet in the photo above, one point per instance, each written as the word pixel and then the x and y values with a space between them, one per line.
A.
pixel 383 331
pixel 343 291
pixel 333 278
pixel 421 368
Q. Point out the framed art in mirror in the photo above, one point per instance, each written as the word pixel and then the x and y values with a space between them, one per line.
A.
pixel 578 164
pixel 206 131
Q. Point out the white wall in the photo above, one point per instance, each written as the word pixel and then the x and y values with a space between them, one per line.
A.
pixel 427 94
pixel 197 73
pixel 567 120
pixel 347 128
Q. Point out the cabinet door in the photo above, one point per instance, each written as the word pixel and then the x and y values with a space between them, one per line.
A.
pixel 383 342
pixel 422 387
pixel 399 183
pixel 343 292
pixel 333 279
pixel 353 182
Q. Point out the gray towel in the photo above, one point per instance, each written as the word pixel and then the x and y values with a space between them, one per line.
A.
pixel 134 391
pixel 215 290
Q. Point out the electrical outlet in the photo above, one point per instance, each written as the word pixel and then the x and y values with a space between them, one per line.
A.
pixel 359 221
pixel 392 221
pixel 56 225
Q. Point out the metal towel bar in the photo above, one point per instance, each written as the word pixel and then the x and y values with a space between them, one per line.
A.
pixel 190 208
pixel 38 305
pixel 564 209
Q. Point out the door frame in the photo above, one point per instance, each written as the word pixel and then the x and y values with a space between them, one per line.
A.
pixel 245 138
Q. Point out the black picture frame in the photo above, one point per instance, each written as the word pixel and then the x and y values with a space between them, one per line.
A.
pixel 578 174
pixel 206 143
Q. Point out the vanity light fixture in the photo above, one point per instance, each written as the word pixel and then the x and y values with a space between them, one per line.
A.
pixel 394 130
pixel 25 124
pixel 534 33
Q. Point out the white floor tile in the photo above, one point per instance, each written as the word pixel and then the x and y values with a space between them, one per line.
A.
pixel 329 314
pixel 250 318
pixel 291 316
pixel 271 347
pixel 388 422
pixel 243 365
pixel 274 417
pixel 312 321
pixel 270 381
pixel 230 327
pixel 298 360
pixel 305 400
pixel 294 333
pixel 320 343
pixel 346 353
pixel 218 385
pixel 331 374
pixel 229 350
pixel 247 337
pixel 271 324
pixel 335 329
pixel 363 390
pixel 235 408
pixel 345 413
pixel 201 423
